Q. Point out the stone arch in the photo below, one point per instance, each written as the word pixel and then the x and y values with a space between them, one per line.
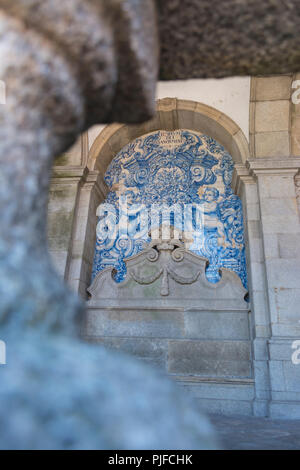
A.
pixel 171 114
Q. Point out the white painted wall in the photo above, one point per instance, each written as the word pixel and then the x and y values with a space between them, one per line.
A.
pixel 93 134
pixel 229 95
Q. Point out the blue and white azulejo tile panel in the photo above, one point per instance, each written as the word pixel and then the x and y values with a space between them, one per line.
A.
pixel 187 172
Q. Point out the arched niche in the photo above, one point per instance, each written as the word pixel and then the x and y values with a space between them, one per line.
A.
pixel 171 114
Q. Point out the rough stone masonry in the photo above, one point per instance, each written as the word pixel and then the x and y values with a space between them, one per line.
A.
pixel 213 38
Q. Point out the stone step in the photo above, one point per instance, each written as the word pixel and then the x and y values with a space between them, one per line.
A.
pixel 224 396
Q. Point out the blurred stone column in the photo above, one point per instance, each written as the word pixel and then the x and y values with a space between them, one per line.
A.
pixel 62 209
pixel 66 66
pixel 245 185
pixel 281 244
pixel 92 192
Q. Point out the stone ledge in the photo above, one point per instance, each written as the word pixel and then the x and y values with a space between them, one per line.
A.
pixel 68 172
pixel 274 165
pixel 190 379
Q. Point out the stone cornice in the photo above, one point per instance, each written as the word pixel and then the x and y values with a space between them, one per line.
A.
pixel 274 166
pixel 69 174
pixel 89 179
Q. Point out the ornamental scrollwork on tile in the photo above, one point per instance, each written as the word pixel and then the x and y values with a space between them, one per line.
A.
pixel 176 169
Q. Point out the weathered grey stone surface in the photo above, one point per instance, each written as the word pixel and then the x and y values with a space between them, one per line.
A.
pixel 210 358
pixel 213 38
pixel 249 433
pixel 280 230
pixel 67 65
pixel 162 322
pixel 44 48
pixel 204 325
pixel 114 42
pixel 57 393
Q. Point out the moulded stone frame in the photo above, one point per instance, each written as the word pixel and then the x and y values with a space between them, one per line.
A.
pixel 171 114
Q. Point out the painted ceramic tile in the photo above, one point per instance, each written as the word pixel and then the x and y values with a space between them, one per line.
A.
pixel 182 169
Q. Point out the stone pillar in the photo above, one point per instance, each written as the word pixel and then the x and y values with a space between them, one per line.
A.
pixel 92 192
pixel 63 199
pixel 281 247
pixel 245 186
pixel 270 106
pixel 75 194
